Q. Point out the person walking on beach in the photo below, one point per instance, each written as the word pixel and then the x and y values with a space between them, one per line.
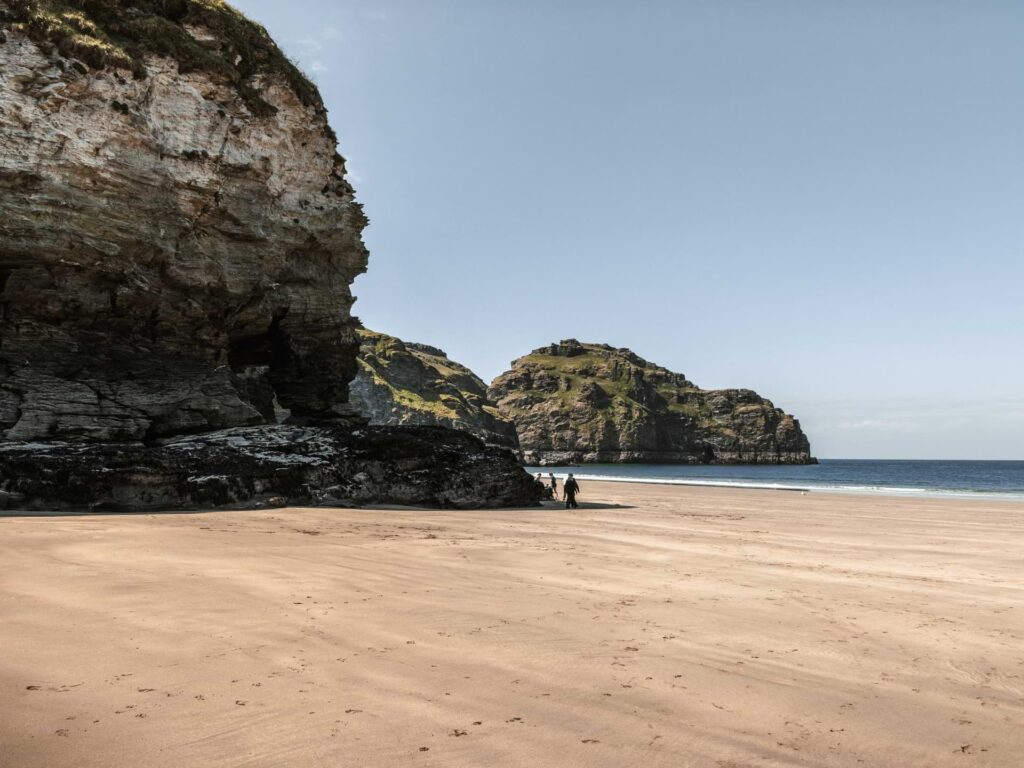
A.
pixel 554 485
pixel 569 491
pixel 545 492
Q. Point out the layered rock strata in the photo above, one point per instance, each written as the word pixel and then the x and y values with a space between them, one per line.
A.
pixel 400 382
pixel 177 242
pixel 267 466
pixel 177 237
pixel 574 402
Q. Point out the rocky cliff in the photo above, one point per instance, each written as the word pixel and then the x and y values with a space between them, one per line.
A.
pixel 177 242
pixel 574 402
pixel 177 237
pixel 400 382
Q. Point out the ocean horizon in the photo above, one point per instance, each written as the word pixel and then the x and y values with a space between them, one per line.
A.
pixel 990 479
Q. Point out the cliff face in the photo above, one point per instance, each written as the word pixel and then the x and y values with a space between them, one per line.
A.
pixel 404 383
pixel 177 237
pixel 574 402
pixel 177 241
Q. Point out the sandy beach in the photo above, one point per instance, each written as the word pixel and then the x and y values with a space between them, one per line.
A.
pixel 659 627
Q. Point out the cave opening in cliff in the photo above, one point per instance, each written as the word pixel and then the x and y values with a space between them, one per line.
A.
pixel 254 359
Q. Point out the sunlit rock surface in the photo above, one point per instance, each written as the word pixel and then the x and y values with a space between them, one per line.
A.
pixel 176 247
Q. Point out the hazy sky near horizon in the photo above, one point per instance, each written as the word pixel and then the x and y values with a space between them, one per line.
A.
pixel 819 200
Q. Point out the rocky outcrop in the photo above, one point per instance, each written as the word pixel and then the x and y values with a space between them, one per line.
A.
pixel 267 466
pixel 177 242
pixel 574 402
pixel 177 237
pixel 400 382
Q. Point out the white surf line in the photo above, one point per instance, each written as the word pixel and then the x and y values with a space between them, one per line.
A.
pixel 874 490
pixel 672 481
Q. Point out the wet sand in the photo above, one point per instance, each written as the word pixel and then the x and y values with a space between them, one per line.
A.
pixel 685 627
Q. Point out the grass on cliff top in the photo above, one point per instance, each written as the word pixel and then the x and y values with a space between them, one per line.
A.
pixel 119 34
pixel 573 373
pixel 409 399
pixel 593 357
pixel 381 343
pixel 569 369
pixel 373 359
pixel 383 346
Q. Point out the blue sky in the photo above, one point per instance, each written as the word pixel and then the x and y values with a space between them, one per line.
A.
pixel 822 201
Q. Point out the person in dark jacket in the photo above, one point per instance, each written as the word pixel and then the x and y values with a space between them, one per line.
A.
pixel 545 491
pixel 569 490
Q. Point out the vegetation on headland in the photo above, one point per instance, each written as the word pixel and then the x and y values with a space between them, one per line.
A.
pixel 618 381
pixel 120 34
pixel 593 400
pixel 400 382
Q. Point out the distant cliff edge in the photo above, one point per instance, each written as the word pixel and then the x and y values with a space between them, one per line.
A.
pixel 573 402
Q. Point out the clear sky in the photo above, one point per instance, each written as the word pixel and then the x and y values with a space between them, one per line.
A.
pixel 821 200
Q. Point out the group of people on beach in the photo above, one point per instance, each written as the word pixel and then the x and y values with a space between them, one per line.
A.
pixel 569 489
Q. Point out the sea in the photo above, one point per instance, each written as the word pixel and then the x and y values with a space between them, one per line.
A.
pixel 993 480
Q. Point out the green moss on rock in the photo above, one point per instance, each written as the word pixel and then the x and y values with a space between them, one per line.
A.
pixel 401 382
pixel 120 34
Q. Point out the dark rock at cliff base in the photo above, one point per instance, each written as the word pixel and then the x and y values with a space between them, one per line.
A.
pixel 573 402
pixel 324 465
pixel 400 382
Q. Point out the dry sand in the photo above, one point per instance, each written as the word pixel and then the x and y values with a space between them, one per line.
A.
pixel 688 627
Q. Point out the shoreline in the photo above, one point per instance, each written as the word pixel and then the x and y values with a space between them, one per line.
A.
pixel 837 490
pixel 1011 501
